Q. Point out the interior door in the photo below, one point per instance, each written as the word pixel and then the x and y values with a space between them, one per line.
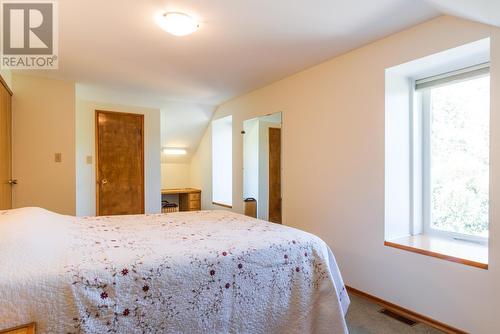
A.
pixel 275 175
pixel 119 163
pixel 6 181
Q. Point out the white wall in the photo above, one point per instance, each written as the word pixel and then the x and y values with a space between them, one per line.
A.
pixel 397 156
pixel 85 146
pixel 201 170
pixel 175 175
pixel 43 112
pixel 333 178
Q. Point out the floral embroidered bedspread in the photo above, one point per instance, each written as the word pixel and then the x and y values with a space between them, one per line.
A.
pixel 197 272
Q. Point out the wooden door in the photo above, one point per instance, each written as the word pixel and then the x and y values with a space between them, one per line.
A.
pixel 5 147
pixel 275 175
pixel 119 163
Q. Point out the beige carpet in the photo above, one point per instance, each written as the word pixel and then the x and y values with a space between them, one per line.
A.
pixel 364 317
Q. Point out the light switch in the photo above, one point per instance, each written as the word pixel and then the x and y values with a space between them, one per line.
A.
pixel 58 157
pixel 89 160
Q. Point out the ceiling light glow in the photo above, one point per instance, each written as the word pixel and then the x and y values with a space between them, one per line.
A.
pixel 177 24
pixel 174 151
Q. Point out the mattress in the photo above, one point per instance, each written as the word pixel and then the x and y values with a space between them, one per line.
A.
pixel 192 272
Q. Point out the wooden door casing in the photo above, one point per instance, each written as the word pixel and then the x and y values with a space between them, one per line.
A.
pixel 5 146
pixel 119 163
pixel 275 175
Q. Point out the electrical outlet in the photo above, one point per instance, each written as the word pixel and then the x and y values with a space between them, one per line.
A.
pixel 89 160
pixel 58 157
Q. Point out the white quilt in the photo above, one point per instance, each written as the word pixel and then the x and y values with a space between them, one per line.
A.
pixel 201 272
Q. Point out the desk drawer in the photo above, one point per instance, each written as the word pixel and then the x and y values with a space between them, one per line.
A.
pixel 190 201
pixel 194 205
pixel 194 197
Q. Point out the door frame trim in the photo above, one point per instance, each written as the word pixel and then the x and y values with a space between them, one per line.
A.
pixel 96 153
pixel 4 83
pixel 9 91
pixel 280 171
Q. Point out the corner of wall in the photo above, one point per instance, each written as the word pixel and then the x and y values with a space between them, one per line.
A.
pixel 200 171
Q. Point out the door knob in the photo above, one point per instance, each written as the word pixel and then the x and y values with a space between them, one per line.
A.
pixel 12 182
pixel 104 181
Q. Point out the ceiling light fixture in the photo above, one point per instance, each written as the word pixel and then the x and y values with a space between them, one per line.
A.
pixel 177 24
pixel 174 151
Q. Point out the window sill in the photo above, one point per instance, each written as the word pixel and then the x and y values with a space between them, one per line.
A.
pixel 223 205
pixel 468 253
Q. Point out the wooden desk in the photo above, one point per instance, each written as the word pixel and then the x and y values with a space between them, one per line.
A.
pixel 189 198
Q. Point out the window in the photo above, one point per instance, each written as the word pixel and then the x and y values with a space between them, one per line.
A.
pixel 455 154
pixel 437 146
pixel 222 161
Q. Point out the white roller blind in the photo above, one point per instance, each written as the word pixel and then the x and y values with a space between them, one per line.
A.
pixel 454 76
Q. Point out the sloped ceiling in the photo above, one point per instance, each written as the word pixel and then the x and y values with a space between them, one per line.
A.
pixel 182 123
pixel 116 46
pixel 484 11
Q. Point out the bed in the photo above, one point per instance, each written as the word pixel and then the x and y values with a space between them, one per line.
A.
pixel 188 272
